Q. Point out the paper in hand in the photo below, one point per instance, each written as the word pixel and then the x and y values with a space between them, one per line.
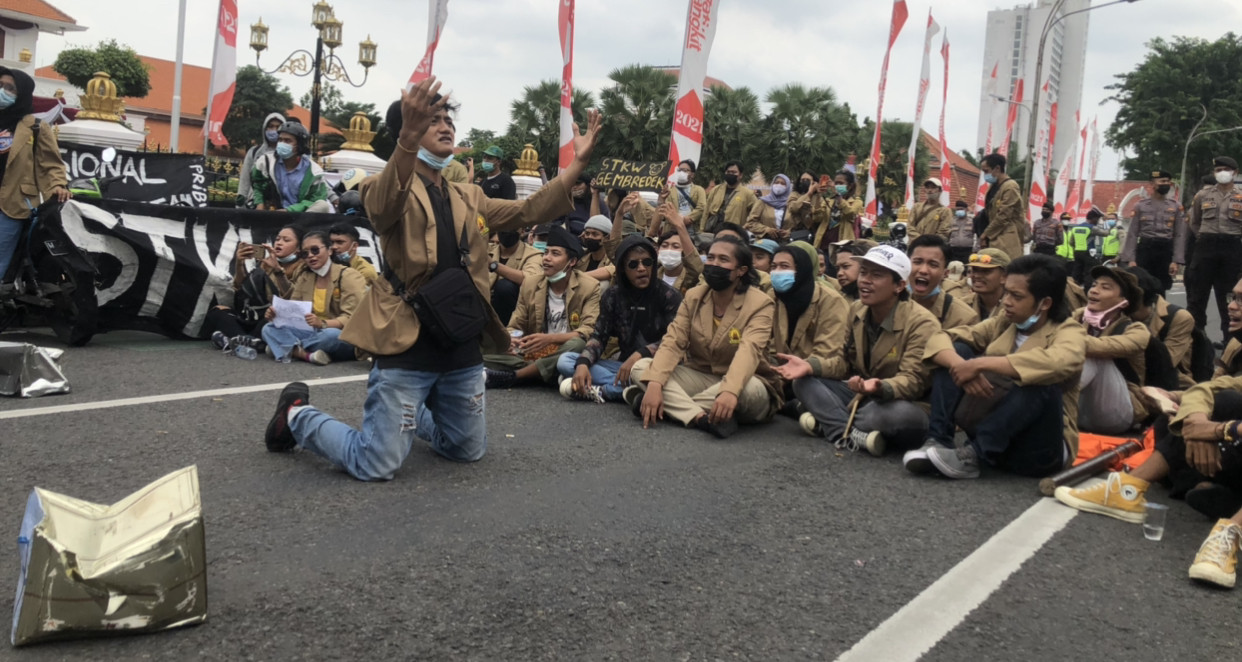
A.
pixel 291 314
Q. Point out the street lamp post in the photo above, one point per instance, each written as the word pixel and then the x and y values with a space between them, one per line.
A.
pixel 1053 19
pixel 1186 152
pixel 303 63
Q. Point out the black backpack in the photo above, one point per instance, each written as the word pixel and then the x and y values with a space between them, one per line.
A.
pixel 1160 370
pixel 1202 354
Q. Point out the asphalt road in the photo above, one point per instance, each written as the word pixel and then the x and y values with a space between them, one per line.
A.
pixel 579 536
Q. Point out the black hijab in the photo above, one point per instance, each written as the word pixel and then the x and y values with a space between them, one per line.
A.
pixel 11 116
pixel 798 298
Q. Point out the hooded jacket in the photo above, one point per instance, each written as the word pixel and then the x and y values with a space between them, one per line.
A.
pixel 20 186
pixel 244 185
pixel 311 189
pixel 638 319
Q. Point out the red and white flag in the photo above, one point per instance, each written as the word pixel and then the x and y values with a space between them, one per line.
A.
pixel 982 192
pixel 900 14
pixel 1011 118
pixel 1063 181
pixel 946 170
pixel 1088 187
pixel 437 16
pixel 924 84
pixel 1039 182
pixel 565 24
pixel 687 141
pixel 1080 146
pixel 1052 132
pixel 223 73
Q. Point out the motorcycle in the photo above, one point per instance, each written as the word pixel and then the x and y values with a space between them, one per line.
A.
pixel 51 281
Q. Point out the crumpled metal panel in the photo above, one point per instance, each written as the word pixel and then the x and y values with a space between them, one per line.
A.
pixel 30 371
pixel 139 565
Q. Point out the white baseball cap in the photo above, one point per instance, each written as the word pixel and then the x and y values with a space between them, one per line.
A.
pixel 888 257
pixel 933 180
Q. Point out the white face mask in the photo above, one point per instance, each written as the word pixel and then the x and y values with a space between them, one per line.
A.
pixel 779 189
pixel 323 271
pixel 1224 177
pixel 669 259
pixel 682 178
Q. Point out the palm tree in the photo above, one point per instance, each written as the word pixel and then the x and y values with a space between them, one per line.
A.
pixel 536 119
pixel 639 112
pixel 806 129
pixel 730 121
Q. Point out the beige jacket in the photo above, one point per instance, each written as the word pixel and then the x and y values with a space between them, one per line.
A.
pixel 1006 214
pixel 348 288
pixel 819 336
pixel 402 217
pixel 19 191
pixel 737 212
pixel 897 356
pixel 1053 355
pixel 930 218
pixel 958 313
pixel 581 305
pixel 1130 345
pixel 526 259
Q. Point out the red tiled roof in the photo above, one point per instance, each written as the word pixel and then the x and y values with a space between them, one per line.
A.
pixel 1104 194
pixel 37 9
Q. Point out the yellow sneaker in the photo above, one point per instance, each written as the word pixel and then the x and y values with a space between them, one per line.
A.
pixel 1217 560
pixel 1120 496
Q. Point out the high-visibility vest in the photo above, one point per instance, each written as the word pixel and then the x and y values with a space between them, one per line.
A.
pixel 1081 235
pixel 1111 245
pixel 1066 248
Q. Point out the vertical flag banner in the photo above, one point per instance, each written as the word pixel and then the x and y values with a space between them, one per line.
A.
pixel 982 191
pixel 566 27
pixel 1080 147
pixel 1063 179
pixel 437 16
pixel 223 73
pixel 1039 182
pixel 1011 118
pixel 687 142
pixel 900 14
pixel 1052 132
pixel 946 170
pixel 1087 188
pixel 924 84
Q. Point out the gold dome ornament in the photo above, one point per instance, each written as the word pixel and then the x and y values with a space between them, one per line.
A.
pixel 100 101
pixel 528 164
pixel 359 134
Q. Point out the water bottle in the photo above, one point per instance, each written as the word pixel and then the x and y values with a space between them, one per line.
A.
pixel 245 352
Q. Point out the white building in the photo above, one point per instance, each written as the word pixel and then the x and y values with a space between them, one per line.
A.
pixel 1012 41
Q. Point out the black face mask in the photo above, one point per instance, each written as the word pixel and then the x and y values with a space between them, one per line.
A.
pixel 580 196
pixel 1164 189
pixel 591 245
pixel 342 258
pixel 508 239
pixel 1047 214
pixel 731 179
pixel 717 277
pixel 802 186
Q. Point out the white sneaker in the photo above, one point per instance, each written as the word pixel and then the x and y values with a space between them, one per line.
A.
pixel 809 425
pixel 318 357
pixel 593 393
pixel 916 461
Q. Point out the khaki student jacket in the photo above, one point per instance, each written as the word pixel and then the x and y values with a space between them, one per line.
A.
pixel 348 287
pixel 738 211
pixel 581 305
pixel 957 313
pixel 1201 399
pixel 1128 345
pixel 19 191
pixel 526 259
pixel 1006 217
pixel 1177 338
pixel 897 356
pixel 733 349
pixel 819 336
pixel 930 218
pixel 402 217
pixel 1051 356
pixel 691 270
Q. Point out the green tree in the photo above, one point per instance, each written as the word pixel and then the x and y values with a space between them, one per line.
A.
pixel 806 129
pixel 1164 97
pixel 639 112
pixel 256 95
pixel 78 66
pixel 730 120
pixel 536 119
pixel 476 137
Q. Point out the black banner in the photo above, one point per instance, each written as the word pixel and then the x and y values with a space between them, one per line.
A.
pixel 162 179
pixel 160 267
pixel 632 175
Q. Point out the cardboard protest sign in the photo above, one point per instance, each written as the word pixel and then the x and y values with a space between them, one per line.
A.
pixel 632 175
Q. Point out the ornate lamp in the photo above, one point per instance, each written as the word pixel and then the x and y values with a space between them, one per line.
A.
pixel 320 14
pixel 366 53
pixel 331 32
pixel 258 36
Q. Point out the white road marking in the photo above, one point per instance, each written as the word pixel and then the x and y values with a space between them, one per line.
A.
pixel 918 626
pixel 170 397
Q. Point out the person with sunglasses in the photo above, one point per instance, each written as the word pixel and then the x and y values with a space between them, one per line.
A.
pixel 637 312
pixel 334 291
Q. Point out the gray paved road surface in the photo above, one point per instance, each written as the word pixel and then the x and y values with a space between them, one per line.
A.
pixel 581 536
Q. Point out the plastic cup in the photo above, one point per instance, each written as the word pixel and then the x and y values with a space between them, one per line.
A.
pixel 1153 523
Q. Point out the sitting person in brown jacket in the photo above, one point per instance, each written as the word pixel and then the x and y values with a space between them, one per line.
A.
pixel 929 260
pixel 811 317
pixel 704 374
pixel 1112 376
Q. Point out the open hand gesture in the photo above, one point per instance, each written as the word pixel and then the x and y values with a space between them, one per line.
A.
pixel 417 110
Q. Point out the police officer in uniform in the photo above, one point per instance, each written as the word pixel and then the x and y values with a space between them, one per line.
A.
pixel 1082 240
pixel 1156 240
pixel 1216 220
pixel 1047 233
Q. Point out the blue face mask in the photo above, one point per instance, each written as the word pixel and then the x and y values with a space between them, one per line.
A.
pixel 271 135
pixel 434 162
pixel 930 295
pixel 284 151
pixel 961 213
pixel 783 281
pixel 1112 224
pixel 1030 322
pixel 558 277
pixel 989 178
pixel 541 246
pixel 488 166
pixel 842 189
pixel 7 99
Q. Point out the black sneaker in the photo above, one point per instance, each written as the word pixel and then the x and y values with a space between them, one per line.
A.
pixel 722 430
pixel 500 378
pixel 279 437
pixel 246 341
pixel 220 341
pixel 633 396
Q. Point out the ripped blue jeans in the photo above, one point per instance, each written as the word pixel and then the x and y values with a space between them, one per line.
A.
pixel 444 409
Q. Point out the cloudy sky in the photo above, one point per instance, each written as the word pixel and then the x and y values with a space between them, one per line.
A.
pixel 492 49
